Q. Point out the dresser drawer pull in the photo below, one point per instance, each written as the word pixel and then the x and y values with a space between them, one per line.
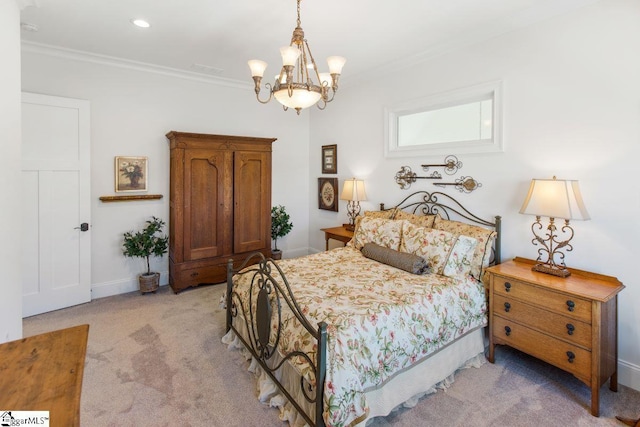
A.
pixel 571 305
pixel 571 356
pixel 507 286
pixel 507 330
pixel 507 307
pixel 194 274
pixel 570 328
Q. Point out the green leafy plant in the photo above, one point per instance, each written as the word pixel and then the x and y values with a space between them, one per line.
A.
pixel 280 224
pixel 147 242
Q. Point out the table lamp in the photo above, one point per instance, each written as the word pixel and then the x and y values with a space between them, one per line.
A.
pixel 353 191
pixel 553 198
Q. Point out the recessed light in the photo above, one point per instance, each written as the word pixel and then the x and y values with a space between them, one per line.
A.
pixel 140 23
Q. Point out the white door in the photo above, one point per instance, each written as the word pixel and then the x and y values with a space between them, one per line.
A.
pixel 56 266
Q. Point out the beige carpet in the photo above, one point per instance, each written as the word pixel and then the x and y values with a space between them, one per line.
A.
pixel 157 360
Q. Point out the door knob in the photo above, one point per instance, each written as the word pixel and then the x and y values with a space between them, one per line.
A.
pixel 83 227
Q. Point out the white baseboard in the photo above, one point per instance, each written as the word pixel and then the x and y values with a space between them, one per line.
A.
pixel 629 374
pixel 122 286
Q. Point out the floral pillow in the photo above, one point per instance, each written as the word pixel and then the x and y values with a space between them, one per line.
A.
pixel 382 232
pixel 419 220
pixel 386 214
pixel 433 245
pixel 485 238
pixel 460 259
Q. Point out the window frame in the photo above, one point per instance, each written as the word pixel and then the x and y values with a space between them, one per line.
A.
pixel 491 90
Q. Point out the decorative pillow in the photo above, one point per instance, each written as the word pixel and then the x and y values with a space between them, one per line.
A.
pixel 484 236
pixel 419 220
pixel 386 214
pixel 432 245
pixel 383 232
pixel 408 262
pixel 460 259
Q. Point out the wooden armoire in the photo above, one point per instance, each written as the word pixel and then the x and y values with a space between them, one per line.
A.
pixel 219 204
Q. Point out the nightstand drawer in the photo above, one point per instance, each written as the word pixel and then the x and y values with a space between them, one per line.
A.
pixel 565 356
pixel 560 326
pixel 568 305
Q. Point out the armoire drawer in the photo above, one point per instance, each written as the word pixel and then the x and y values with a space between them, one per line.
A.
pixel 569 305
pixel 209 274
pixel 558 325
pixel 568 357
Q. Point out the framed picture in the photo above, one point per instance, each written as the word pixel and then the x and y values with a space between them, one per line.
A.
pixel 328 194
pixel 330 159
pixel 131 174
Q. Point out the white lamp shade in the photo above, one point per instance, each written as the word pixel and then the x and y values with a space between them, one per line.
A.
pixel 555 198
pixel 335 64
pixel 257 67
pixel 289 54
pixel 353 189
pixel 300 98
pixel 325 78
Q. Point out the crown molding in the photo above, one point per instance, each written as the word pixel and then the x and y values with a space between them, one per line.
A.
pixel 94 58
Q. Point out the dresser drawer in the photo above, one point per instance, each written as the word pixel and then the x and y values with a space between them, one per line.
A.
pixel 569 305
pixel 543 347
pixel 558 325
pixel 203 275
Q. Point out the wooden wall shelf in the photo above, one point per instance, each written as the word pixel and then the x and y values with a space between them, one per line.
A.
pixel 130 197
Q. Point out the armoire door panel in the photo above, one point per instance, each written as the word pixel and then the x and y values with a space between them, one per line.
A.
pixel 207 180
pixel 252 200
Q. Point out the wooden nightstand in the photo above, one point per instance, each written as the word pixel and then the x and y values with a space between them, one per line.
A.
pixel 571 322
pixel 337 233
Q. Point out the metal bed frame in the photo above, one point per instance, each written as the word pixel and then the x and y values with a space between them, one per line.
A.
pixel 268 283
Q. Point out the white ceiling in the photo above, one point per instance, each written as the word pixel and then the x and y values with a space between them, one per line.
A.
pixel 225 34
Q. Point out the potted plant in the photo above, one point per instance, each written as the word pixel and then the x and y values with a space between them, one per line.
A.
pixel 280 227
pixel 144 244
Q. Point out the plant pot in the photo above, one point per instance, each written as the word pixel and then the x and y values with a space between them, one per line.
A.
pixel 276 254
pixel 149 282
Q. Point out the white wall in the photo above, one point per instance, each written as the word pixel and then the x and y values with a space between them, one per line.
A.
pixel 10 172
pixel 131 111
pixel 571 109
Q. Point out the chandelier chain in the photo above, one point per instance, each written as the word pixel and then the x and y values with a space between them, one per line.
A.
pixel 298 13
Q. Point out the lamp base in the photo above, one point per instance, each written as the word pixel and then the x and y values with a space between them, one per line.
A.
pixel 349 227
pixel 548 269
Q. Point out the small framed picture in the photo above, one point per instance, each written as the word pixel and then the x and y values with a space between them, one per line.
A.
pixel 330 158
pixel 328 194
pixel 131 174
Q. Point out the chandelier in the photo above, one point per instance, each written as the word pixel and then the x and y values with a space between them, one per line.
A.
pixel 299 84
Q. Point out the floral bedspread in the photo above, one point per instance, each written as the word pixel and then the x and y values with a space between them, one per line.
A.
pixel 380 321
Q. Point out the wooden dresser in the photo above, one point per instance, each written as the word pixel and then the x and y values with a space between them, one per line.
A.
pixel 571 322
pixel 219 204
pixel 44 373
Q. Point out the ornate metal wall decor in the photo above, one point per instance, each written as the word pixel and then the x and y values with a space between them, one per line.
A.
pixel 451 165
pixel 405 177
pixel 464 184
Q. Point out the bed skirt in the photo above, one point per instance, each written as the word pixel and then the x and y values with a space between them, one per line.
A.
pixel 436 371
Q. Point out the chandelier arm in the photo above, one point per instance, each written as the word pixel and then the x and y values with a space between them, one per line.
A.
pixel 333 95
pixel 324 104
pixel 257 90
